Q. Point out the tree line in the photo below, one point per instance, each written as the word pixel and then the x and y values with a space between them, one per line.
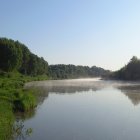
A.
pixel 15 56
pixel 62 71
pixel 131 71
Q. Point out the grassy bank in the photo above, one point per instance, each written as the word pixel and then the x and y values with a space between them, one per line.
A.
pixel 13 98
pixel 6 120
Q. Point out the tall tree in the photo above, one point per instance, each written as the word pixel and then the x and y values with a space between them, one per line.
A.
pixel 10 55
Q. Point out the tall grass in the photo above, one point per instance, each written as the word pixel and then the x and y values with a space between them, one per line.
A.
pixel 24 101
pixel 6 120
pixel 13 98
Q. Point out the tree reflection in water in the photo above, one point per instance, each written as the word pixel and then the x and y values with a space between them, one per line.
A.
pixel 130 89
pixel 20 132
pixel 132 92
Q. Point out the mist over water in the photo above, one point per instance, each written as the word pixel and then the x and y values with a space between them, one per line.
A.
pixel 85 84
pixel 86 109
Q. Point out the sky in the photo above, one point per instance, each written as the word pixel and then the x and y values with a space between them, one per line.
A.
pixel 105 33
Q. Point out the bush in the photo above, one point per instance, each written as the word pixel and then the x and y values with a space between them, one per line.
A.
pixel 24 101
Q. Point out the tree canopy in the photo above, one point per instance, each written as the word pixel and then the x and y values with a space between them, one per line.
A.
pixel 62 71
pixel 15 56
pixel 131 71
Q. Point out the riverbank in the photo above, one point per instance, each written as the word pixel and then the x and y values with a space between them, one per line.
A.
pixel 14 98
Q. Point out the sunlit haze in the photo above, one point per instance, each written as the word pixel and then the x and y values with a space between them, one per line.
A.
pixel 104 33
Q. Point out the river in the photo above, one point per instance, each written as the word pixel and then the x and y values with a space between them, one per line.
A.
pixel 84 109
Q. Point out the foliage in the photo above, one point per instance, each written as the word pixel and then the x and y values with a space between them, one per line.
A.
pixel 15 56
pixel 131 71
pixel 11 89
pixel 10 55
pixel 24 101
pixel 6 120
pixel 13 98
pixel 71 71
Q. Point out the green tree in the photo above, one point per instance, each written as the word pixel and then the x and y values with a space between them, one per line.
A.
pixel 131 71
pixel 10 55
pixel 25 59
pixel 16 56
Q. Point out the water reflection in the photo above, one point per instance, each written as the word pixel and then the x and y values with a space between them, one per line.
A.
pixel 130 89
pixel 132 92
pixel 99 110
pixel 66 89
pixel 66 86
pixel 20 132
pixel 44 88
pixel 25 115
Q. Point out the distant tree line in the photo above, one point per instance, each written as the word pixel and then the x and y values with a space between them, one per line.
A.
pixel 62 71
pixel 15 56
pixel 131 71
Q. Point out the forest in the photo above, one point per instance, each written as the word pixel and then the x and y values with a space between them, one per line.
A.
pixel 62 71
pixel 15 56
pixel 131 71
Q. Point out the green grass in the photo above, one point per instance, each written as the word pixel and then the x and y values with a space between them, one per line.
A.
pixel 13 98
pixel 6 120
pixel 24 100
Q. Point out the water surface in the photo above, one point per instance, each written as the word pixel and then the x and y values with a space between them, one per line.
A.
pixel 85 109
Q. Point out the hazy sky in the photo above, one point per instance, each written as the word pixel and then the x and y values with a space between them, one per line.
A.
pixel 104 33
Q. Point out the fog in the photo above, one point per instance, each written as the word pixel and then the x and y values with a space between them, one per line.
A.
pixel 78 85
